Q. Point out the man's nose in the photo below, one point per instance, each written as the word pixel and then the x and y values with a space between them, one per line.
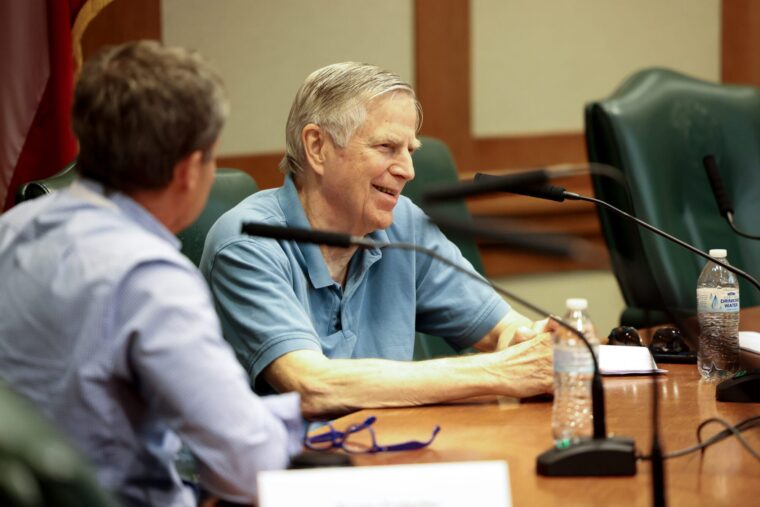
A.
pixel 404 167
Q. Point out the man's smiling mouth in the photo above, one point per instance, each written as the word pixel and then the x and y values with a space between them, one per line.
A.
pixel 385 190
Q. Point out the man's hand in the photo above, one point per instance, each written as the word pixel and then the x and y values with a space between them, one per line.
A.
pixel 526 367
pixel 521 332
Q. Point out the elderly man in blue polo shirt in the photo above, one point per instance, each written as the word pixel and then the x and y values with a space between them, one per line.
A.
pixel 337 325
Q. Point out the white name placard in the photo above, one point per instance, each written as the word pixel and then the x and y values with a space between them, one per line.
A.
pixel 626 360
pixel 482 483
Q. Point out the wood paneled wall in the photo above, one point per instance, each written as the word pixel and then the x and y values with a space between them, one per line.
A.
pixel 443 81
pixel 740 42
pixel 122 21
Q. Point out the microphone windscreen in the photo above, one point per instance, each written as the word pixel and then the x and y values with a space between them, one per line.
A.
pixel 298 234
pixel 716 183
pixel 522 188
pixel 482 186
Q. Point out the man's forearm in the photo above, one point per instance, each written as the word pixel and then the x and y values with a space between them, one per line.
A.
pixel 335 386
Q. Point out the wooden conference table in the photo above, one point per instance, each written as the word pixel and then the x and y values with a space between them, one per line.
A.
pixel 518 432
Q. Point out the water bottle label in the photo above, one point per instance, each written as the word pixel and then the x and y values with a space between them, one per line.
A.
pixel 714 300
pixel 572 360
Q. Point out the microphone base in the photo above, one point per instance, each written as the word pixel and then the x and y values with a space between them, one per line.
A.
pixel 611 456
pixel 742 387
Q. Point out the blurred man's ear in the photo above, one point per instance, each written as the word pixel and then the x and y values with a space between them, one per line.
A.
pixel 187 171
pixel 314 141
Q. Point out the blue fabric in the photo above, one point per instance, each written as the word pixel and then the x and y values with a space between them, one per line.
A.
pixel 275 297
pixel 110 331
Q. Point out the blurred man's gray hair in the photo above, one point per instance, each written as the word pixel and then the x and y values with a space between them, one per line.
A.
pixel 335 98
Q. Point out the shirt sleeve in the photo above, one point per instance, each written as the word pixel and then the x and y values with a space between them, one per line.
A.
pixel 450 303
pixel 253 285
pixel 192 380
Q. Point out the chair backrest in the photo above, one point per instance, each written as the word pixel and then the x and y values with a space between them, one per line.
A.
pixel 230 187
pixel 38 467
pixel 37 188
pixel 434 164
pixel 656 128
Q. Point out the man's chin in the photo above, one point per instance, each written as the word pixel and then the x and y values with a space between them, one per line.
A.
pixel 379 225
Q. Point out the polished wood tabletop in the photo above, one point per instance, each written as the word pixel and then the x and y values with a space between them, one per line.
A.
pixel 517 432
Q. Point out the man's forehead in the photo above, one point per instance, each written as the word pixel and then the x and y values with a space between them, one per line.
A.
pixel 376 128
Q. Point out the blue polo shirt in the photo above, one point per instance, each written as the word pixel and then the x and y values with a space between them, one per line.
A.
pixel 274 297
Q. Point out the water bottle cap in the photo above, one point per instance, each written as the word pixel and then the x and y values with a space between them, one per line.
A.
pixel 576 304
pixel 720 253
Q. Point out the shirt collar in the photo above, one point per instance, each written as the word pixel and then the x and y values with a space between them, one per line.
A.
pixel 295 216
pixel 95 193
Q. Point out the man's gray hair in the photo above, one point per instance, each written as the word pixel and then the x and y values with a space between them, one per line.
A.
pixel 335 98
pixel 140 108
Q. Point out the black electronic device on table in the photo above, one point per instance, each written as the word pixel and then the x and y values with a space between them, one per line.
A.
pixel 742 387
pixel 686 357
pixel 669 346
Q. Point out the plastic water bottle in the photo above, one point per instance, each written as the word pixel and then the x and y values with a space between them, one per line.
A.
pixel 573 372
pixel 718 314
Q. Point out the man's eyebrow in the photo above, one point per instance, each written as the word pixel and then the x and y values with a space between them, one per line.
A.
pixel 394 139
pixel 385 138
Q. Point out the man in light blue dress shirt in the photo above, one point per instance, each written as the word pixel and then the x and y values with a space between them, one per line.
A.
pixel 337 324
pixel 104 324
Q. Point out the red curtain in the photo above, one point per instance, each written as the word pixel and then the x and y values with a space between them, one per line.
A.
pixel 48 143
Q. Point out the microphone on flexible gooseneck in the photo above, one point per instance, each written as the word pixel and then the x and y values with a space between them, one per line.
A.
pixel 725 206
pixel 658 480
pixel 560 194
pixel 338 239
pixel 600 456
pixel 304 235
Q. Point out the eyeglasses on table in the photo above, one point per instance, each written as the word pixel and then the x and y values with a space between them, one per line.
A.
pixel 359 439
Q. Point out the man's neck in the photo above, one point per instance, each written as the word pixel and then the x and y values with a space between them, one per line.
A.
pixel 320 216
pixel 337 260
pixel 159 204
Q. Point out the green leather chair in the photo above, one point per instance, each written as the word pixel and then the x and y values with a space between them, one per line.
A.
pixel 656 128
pixel 230 187
pixel 434 164
pixel 38 467
pixel 38 188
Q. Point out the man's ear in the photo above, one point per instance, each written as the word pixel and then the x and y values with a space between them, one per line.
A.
pixel 315 143
pixel 187 170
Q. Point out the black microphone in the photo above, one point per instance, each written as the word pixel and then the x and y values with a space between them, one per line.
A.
pixel 505 184
pixel 541 243
pixel 724 390
pixel 721 196
pixel 470 188
pixel 567 462
pixel 551 193
pixel 599 456
pixel 725 206
pixel 527 181
pixel 306 235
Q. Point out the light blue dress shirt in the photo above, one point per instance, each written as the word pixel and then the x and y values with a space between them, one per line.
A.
pixel 110 330
pixel 274 297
